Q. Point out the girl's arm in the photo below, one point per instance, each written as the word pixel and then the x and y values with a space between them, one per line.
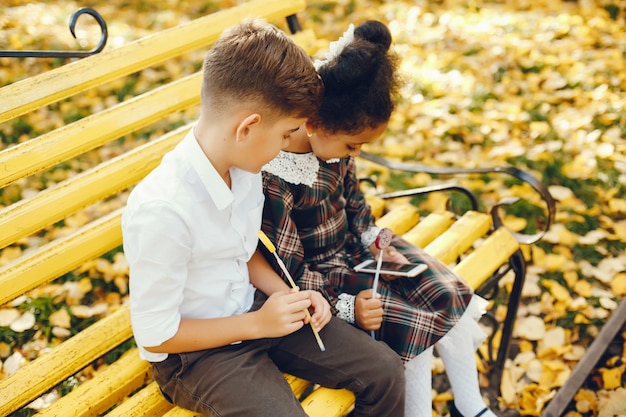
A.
pixel 360 219
pixel 283 233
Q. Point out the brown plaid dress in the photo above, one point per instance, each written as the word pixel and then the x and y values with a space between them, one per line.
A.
pixel 317 232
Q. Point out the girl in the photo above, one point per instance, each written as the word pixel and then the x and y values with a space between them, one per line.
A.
pixel 322 227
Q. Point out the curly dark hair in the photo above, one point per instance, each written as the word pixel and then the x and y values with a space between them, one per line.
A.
pixel 360 85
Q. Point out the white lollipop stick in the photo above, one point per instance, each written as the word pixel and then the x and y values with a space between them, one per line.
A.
pixel 382 241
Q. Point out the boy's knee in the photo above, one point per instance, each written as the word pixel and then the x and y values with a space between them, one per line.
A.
pixel 389 366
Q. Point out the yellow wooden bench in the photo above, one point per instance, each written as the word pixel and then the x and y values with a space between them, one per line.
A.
pixel 124 387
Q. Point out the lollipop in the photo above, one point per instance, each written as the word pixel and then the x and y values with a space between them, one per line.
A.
pixel 383 239
pixel 382 242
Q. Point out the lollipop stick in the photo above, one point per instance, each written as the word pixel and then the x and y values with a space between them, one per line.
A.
pixel 379 264
pixel 382 241
pixel 268 244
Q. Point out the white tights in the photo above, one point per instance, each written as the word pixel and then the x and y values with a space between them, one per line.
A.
pixel 418 372
pixel 456 349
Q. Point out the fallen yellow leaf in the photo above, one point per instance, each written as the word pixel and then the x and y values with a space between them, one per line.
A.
pixel 570 277
pixel 558 291
pixel 555 262
pixel 585 400
pixel 618 284
pixel 507 388
pixel 532 399
pixel 580 319
pixel 583 288
pixel 612 377
pixel 617 205
pixel 443 397
pixel 620 230
pixel 612 403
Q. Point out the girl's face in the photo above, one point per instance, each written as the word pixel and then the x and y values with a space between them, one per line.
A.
pixel 341 145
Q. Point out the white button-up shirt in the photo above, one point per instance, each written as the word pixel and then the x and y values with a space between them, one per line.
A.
pixel 187 239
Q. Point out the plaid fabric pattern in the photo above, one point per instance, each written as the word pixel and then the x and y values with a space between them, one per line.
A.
pixel 317 233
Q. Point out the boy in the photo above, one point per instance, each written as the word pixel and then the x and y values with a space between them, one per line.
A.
pixel 217 346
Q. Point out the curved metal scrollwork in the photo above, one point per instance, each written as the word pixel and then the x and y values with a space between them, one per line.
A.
pixel 535 183
pixel 68 54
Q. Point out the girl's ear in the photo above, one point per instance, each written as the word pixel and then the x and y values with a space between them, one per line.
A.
pixel 245 127
pixel 310 128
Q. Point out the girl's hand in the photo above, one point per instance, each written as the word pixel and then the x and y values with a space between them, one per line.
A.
pixel 390 254
pixel 319 309
pixel 368 311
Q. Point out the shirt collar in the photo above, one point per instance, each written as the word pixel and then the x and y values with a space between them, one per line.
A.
pixel 219 192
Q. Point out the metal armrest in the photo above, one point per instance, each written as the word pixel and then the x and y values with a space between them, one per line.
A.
pixel 535 183
pixel 434 188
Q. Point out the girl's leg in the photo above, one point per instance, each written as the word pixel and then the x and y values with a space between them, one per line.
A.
pixel 418 373
pixel 457 349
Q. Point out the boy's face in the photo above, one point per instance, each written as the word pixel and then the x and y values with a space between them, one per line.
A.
pixel 341 145
pixel 270 138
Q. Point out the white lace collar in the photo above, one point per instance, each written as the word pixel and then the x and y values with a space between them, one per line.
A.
pixel 295 168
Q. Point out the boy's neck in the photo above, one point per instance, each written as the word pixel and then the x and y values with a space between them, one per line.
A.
pixel 216 156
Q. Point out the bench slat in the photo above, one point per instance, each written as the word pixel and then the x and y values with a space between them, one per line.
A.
pixel 495 251
pixel 62 82
pixel 55 203
pixel 95 396
pixel 327 402
pixel 51 260
pixel 152 400
pixel 459 237
pixel 148 402
pixel 399 219
pixel 429 228
pixel 38 376
pixel 92 131
pixel 181 412
pixel 298 385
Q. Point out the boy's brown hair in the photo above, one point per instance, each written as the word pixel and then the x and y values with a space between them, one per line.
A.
pixel 256 62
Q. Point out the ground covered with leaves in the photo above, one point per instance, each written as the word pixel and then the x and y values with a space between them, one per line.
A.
pixel 540 85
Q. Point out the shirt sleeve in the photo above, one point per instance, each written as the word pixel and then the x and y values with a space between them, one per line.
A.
pixel 157 247
pixel 283 232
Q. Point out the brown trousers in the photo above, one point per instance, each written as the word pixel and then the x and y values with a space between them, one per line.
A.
pixel 245 379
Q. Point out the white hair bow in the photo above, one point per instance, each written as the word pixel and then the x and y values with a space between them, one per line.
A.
pixel 335 48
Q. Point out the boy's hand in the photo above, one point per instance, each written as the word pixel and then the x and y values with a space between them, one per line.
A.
pixel 320 310
pixel 283 313
pixel 368 312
